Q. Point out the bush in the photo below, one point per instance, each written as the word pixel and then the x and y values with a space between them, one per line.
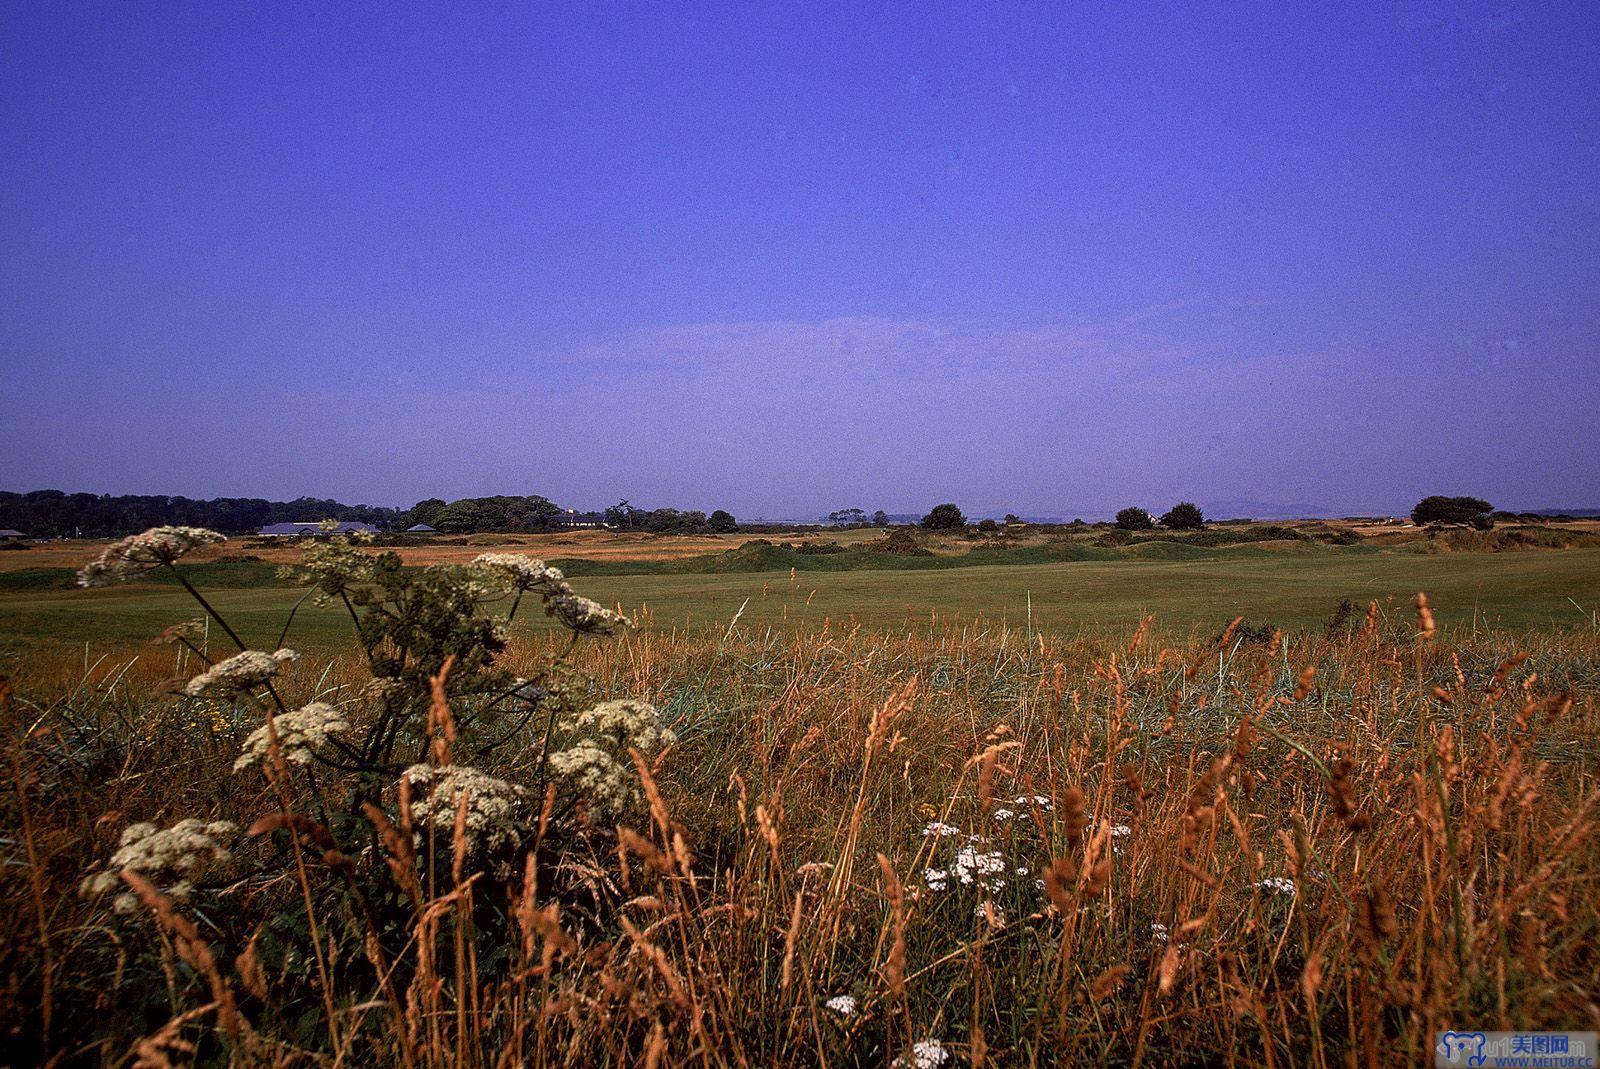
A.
pixel 722 522
pixel 1440 509
pixel 1184 516
pixel 988 526
pixel 944 518
pixel 1134 519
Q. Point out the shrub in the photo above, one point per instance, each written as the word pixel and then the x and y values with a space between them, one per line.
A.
pixel 988 526
pixel 1184 516
pixel 1134 519
pixel 1440 509
pixel 722 522
pixel 944 518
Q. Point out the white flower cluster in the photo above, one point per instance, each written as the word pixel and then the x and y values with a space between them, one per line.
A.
pixel 1277 885
pixel 1158 932
pixel 843 1005
pixel 495 808
pixel 984 868
pixel 591 771
pixel 238 673
pixel 938 829
pixel 924 1054
pixel 300 733
pixel 1037 801
pixel 626 722
pixel 525 573
pixel 141 552
pixel 584 615
pixel 184 850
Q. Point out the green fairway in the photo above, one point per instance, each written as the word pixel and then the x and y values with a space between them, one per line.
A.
pixel 1527 589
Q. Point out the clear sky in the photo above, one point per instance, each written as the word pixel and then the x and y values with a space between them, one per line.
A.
pixel 787 257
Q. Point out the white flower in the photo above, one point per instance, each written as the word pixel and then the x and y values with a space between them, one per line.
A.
pixel 1278 885
pixel 924 1054
pixel 184 850
pixel 142 552
pixel 843 1005
pixel 1118 831
pixel 595 774
pixel 584 615
pixel 1038 801
pixel 983 909
pixel 1158 932
pixel 973 866
pixel 628 723
pixel 936 879
pixel 238 673
pixel 1004 814
pixel 495 808
pixel 938 829
pixel 300 733
pixel 525 573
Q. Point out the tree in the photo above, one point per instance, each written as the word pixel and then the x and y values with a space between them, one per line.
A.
pixel 723 522
pixel 1184 516
pixel 944 518
pixel 1439 509
pixel 1134 519
pixel 988 526
pixel 880 519
pixel 848 518
pixel 1012 518
pixel 624 516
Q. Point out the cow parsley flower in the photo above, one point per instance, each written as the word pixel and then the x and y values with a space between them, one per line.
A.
pixel 590 770
pixel 627 723
pixel 936 879
pixel 525 573
pixel 1038 801
pixel 183 851
pixel 1277 885
pixel 1158 932
pixel 238 673
pixel 495 808
pixel 938 829
pixel 141 553
pixel 300 734
pixel 584 615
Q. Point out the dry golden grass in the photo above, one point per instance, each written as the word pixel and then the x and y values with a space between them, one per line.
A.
pixel 1431 802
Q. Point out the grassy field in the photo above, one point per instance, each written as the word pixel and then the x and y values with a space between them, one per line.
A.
pixel 937 838
pixel 1530 589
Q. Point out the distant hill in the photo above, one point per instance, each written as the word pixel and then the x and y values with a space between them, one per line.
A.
pixel 1271 510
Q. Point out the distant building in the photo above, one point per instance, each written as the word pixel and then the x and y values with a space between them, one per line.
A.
pixel 574 518
pixel 422 528
pixel 8 535
pixel 296 530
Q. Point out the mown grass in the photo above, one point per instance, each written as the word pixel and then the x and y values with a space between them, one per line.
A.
pixel 1555 589
pixel 1445 877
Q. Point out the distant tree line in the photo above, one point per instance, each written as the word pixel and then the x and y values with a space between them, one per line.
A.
pixel 53 513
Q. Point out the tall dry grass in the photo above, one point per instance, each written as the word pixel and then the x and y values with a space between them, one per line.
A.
pixel 1313 849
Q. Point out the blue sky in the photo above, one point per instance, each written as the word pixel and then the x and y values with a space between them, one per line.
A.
pixel 779 258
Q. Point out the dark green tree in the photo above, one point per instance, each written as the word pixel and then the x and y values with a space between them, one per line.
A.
pixel 1440 509
pixel 1184 516
pixel 945 517
pixel 1134 519
pixel 722 522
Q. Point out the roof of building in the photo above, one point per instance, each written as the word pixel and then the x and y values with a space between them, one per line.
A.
pixel 9 533
pixel 344 527
pixel 422 528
